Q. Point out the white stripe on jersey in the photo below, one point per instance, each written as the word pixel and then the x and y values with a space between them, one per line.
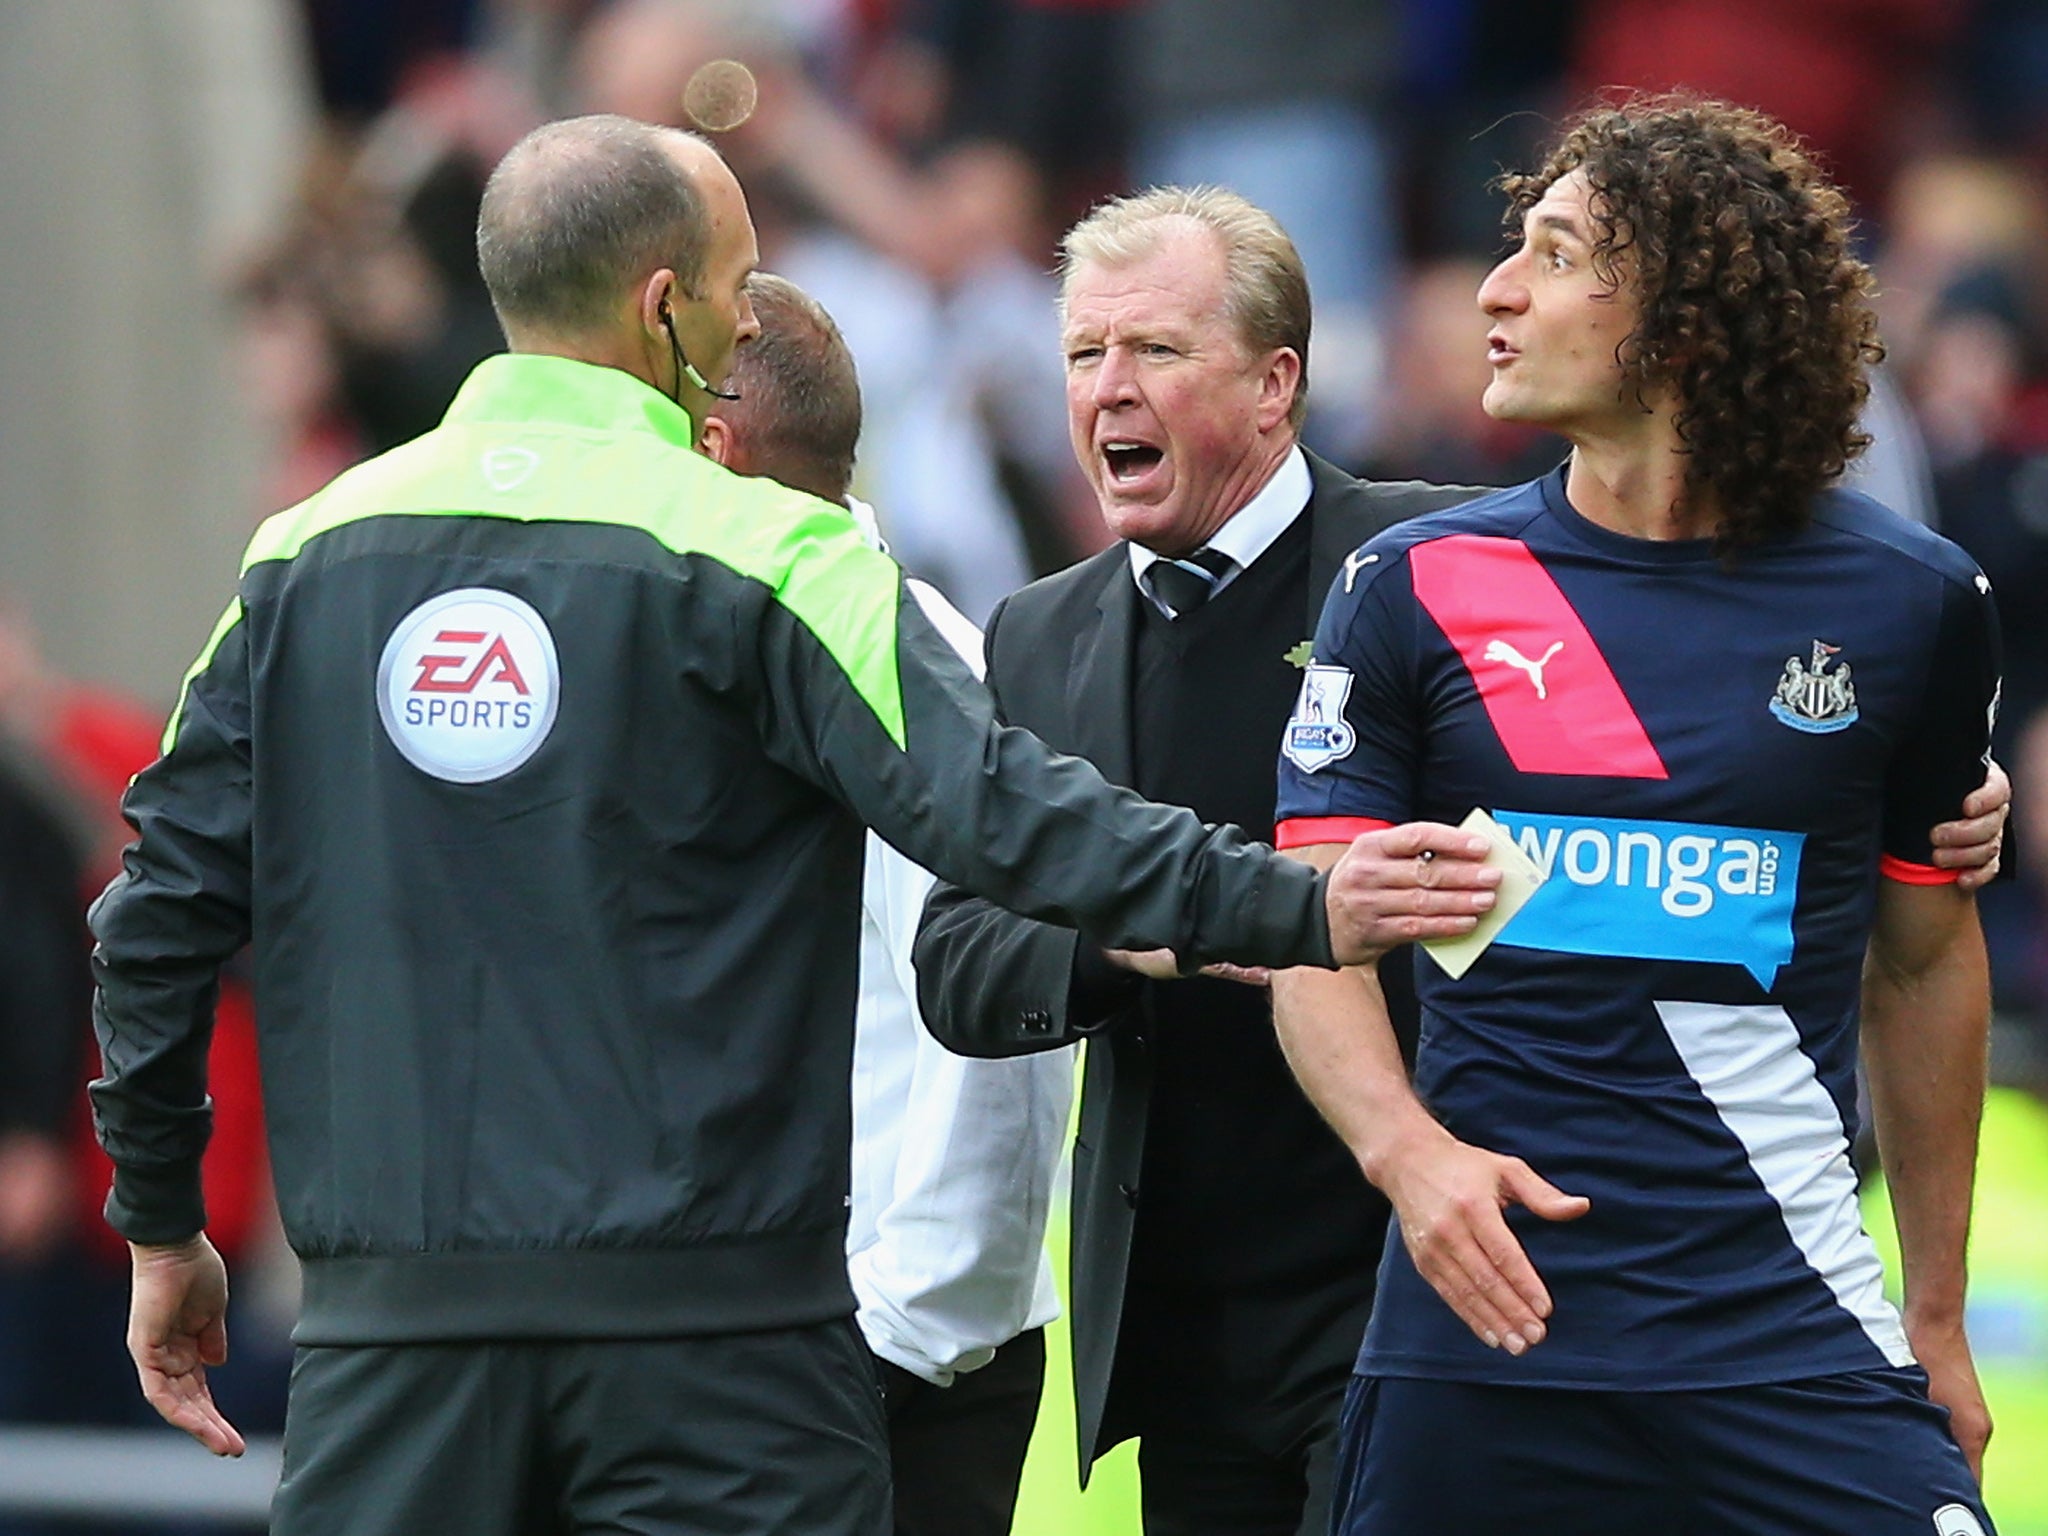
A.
pixel 1748 1062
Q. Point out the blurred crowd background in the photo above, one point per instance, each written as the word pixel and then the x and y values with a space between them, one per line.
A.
pixel 236 256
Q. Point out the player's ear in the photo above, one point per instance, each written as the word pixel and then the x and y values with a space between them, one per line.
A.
pixel 716 442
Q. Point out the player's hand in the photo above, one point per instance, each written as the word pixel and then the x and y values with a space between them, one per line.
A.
pixel 1421 880
pixel 1973 844
pixel 1944 1353
pixel 177 1327
pixel 1164 965
pixel 1449 1197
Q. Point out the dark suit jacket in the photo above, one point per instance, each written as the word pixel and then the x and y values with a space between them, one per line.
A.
pixel 994 984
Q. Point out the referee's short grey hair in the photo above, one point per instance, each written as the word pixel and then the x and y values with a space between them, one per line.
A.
pixel 1265 285
pixel 577 212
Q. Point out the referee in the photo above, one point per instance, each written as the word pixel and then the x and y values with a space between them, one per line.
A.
pixel 532 757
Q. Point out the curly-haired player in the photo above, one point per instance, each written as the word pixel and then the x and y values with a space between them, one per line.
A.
pixel 1712 699
pixel 1751 311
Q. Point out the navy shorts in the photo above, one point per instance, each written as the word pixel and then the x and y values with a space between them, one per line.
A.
pixel 1862 1454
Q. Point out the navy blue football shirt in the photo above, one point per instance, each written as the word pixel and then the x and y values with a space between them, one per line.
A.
pixel 1714 765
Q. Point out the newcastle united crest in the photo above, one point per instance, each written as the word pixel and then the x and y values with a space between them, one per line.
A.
pixel 1811 698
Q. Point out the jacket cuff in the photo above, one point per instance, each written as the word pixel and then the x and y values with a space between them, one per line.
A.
pixel 157 1205
pixel 1287 923
pixel 1098 989
pixel 1325 953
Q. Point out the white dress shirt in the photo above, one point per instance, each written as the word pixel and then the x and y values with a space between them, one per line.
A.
pixel 1252 529
pixel 953 1159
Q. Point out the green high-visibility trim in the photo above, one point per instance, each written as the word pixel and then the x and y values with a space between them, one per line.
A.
pixel 222 625
pixel 545 439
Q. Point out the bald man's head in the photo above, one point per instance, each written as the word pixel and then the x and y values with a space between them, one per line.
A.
pixel 579 211
pixel 797 420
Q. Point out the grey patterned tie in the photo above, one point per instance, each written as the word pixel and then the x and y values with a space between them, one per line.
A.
pixel 1182 585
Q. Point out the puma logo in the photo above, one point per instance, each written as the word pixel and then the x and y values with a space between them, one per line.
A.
pixel 1500 650
pixel 1355 562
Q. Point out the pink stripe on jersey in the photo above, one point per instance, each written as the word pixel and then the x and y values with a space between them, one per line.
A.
pixel 1553 701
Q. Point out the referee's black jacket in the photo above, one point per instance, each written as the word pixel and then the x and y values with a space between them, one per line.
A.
pixel 532 758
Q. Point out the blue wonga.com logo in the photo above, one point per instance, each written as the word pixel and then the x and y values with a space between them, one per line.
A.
pixel 1658 890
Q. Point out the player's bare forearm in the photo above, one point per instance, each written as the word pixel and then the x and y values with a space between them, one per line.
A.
pixel 1926 1012
pixel 1448 1196
pixel 1335 1033
pixel 1337 1038
pixel 1926 1008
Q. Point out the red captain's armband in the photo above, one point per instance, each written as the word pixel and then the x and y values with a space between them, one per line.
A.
pixel 1307 831
pixel 1908 873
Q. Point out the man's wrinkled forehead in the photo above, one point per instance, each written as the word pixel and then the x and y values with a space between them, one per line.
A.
pixel 1096 287
pixel 1130 312
pixel 1173 283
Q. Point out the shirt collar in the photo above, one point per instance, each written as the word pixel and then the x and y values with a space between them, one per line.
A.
pixel 1254 527
pixel 870 524
pixel 531 386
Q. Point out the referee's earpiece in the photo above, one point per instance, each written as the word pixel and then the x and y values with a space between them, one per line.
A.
pixel 684 368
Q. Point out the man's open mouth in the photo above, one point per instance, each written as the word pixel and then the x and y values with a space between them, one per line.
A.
pixel 1130 461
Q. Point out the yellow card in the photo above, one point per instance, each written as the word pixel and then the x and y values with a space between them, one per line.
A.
pixel 1519 879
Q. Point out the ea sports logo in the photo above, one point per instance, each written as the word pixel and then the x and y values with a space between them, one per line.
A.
pixel 468 685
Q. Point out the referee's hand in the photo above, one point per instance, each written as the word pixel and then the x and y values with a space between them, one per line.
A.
pixel 1420 880
pixel 177 1327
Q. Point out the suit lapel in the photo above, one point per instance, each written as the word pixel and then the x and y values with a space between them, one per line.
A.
pixel 1338 521
pixel 1099 685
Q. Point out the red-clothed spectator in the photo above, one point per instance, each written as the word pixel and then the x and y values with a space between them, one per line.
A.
pixel 1846 75
pixel 90 742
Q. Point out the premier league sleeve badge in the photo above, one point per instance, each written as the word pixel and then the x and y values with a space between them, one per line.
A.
pixel 1317 734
